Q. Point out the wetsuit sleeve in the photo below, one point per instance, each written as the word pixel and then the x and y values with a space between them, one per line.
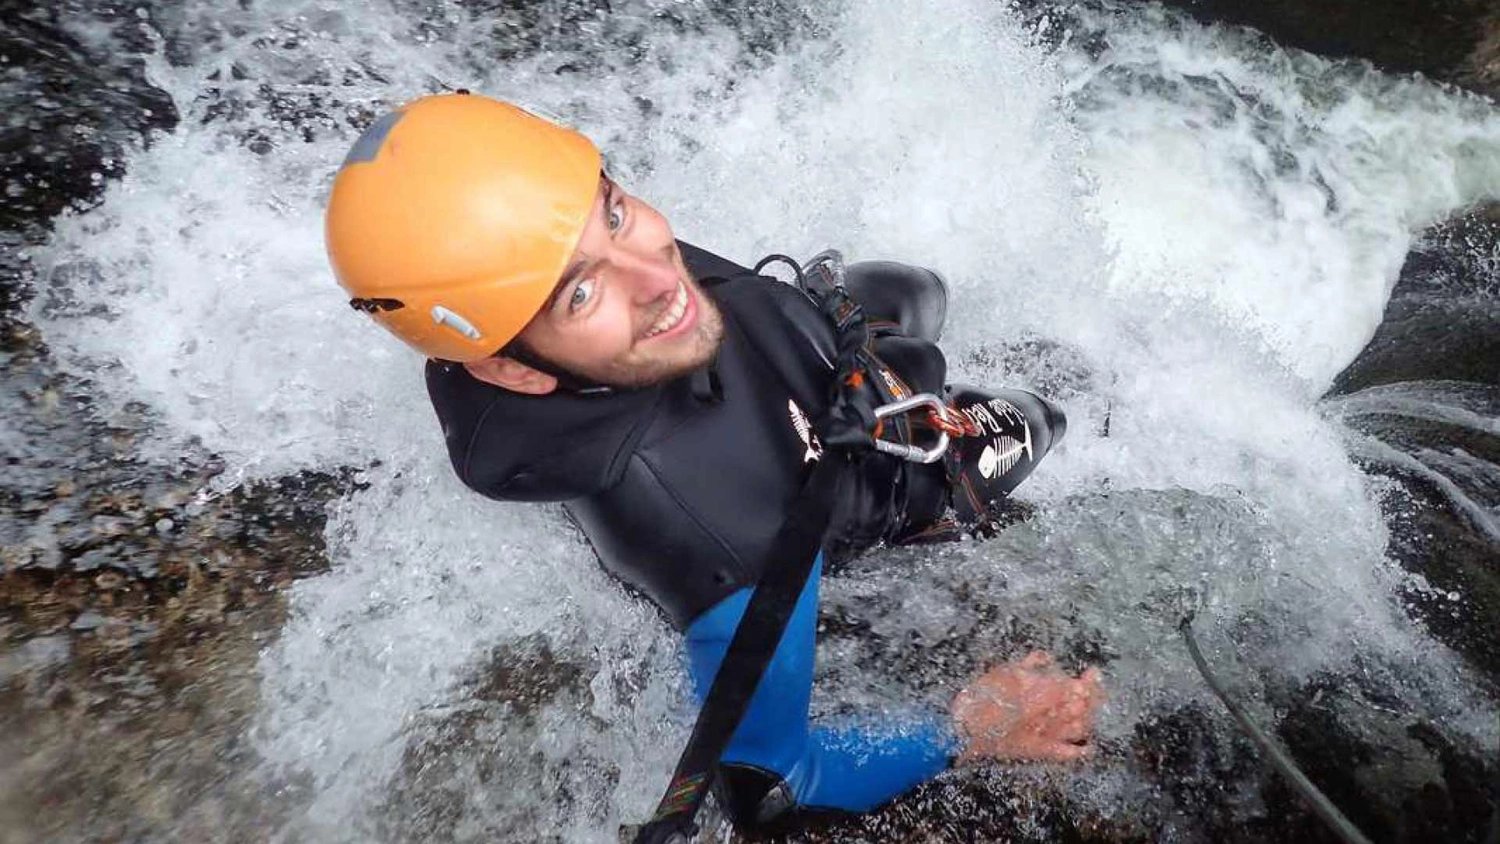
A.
pixel 851 766
pixel 584 468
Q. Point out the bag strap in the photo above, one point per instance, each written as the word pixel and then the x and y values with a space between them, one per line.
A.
pixel 750 651
pixel 845 423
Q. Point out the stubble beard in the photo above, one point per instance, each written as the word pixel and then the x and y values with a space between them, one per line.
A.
pixel 633 371
pixel 636 371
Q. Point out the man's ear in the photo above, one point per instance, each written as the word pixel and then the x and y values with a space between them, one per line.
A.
pixel 512 375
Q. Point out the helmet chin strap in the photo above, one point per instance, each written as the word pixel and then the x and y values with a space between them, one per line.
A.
pixel 566 381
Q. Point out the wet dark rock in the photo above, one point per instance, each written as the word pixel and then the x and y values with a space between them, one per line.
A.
pixel 1438 350
pixel 70 113
pixel 1442 321
pixel 134 597
pixel 1197 763
pixel 1431 537
pixel 1421 392
pixel 464 747
pixel 1455 41
pixel 130 670
pixel 985 803
pixel 1395 777
pixel 133 602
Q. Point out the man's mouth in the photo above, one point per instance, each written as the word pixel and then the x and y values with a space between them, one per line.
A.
pixel 672 317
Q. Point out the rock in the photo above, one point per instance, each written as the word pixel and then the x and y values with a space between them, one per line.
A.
pixel 92 560
pixel 1421 402
pixel 35 655
pixel 1456 41
pixel 88 621
pixel 105 93
pixel 1423 389
pixel 1436 325
pixel 1484 62
pixel 1387 771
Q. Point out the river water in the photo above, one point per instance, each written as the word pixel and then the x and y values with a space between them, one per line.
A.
pixel 1181 232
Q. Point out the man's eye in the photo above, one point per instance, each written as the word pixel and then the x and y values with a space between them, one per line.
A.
pixel 581 294
pixel 616 218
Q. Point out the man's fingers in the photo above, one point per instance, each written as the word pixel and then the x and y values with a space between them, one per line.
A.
pixel 1078 708
pixel 1071 733
pixel 1071 752
pixel 1074 724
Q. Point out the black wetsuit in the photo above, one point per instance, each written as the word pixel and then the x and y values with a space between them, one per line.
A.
pixel 681 487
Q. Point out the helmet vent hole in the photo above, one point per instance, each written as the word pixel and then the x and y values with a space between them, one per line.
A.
pixel 370 306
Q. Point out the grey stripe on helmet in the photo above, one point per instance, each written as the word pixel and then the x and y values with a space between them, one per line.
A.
pixel 368 145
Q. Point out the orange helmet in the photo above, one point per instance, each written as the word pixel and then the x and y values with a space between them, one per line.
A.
pixel 452 219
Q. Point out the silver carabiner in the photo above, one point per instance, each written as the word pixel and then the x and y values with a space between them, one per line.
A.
pixel 911 452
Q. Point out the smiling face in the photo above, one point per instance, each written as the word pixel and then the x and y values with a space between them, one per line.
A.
pixel 626 312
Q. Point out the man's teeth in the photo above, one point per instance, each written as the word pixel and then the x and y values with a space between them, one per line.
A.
pixel 670 319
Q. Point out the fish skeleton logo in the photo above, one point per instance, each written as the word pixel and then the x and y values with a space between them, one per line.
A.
pixel 1003 454
pixel 804 430
pixel 1004 450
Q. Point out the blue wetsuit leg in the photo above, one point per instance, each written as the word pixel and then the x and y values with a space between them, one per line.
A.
pixel 852 767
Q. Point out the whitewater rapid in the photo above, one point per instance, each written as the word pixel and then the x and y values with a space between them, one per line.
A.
pixel 1181 235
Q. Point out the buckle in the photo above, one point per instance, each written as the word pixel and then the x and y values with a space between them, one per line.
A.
pixel 914 453
pixel 822 274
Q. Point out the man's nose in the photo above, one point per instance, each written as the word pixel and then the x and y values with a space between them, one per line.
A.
pixel 651 274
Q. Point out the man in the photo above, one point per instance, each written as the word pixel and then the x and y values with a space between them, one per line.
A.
pixel 579 353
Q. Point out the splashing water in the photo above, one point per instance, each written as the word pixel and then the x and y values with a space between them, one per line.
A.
pixel 1181 235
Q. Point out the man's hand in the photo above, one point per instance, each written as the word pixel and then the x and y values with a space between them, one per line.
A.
pixel 1028 710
